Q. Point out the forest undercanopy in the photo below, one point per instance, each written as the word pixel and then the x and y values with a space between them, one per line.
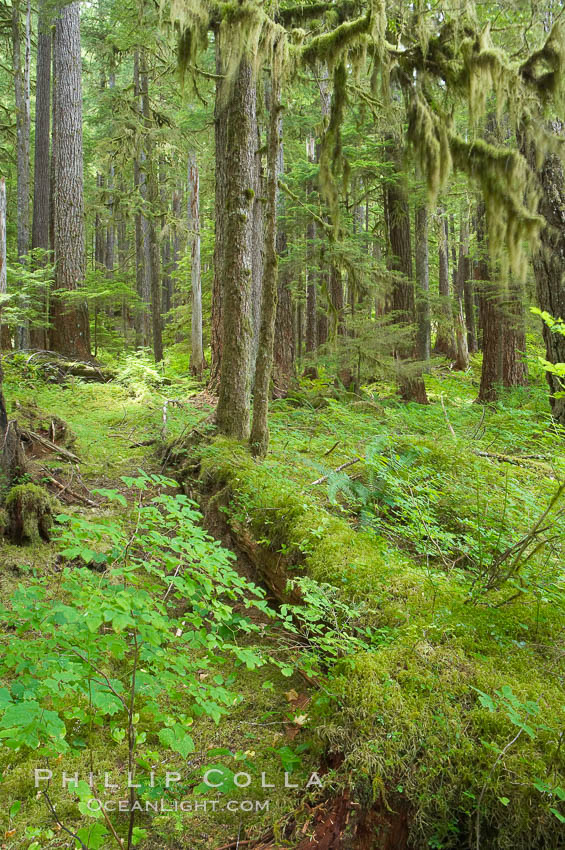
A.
pixel 282 408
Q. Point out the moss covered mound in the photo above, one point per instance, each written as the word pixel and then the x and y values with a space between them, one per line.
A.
pixel 459 710
pixel 29 511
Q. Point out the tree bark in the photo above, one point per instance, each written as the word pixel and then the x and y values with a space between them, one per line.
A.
pixel 311 293
pixel 151 212
pixel 41 177
pixel 197 355
pixel 259 440
pixel 445 340
pixel 71 332
pixel 463 274
pixel 491 373
pixel 234 403
pixel 424 330
pixel 221 154
pixel 23 125
pixel 549 268
pixel 513 337
pixel 284 336
pixel 397 215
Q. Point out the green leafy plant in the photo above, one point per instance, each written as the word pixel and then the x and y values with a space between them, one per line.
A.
pixel 108 649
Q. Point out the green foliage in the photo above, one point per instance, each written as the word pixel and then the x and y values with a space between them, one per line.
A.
pixel 109 647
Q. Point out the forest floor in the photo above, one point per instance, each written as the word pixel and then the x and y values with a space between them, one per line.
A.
pixel 414 505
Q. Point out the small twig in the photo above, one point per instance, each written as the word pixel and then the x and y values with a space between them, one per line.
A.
pixel 335 445
pixel 235 843
pixel 62 825
pixel 453 434
pixel 343 466
pixel 64 488
pixel 482 794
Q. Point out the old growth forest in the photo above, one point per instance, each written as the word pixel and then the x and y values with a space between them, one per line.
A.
pixel 282 425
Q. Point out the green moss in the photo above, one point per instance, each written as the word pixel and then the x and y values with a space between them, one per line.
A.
pixel 408 715
pixel 29 511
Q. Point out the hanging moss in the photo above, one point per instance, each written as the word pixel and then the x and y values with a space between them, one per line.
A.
pixel 29 514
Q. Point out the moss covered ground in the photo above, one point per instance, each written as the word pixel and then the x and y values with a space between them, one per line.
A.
pixel 449 701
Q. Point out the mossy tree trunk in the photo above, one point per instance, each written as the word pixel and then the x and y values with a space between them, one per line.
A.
pixel 234 403
pixel 40 221
pixel 283 353
pixel 151 216
pixel 196 354
pixel 220 212
pixel 397 216
pixel 424 330
pixel 259 440
pixel 445 340
pixel 70 333
pixel 463 272
pixel 514 367
pixel 490 318
pixel 549 268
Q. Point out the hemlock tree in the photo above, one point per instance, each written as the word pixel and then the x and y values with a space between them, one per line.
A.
pixel 70 333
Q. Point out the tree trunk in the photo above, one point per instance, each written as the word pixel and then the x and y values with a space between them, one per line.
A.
pixel 445 340
pixel 220 215
pixel 491 373
pixel 549 269
pixel 151 213
pixel 41 188
pixel 463 274
pixel 23 125
pixel 3 269
pixel 470 309
pixel 336 300
pixel 284 337
pixel 397 215
pixel 71 332
pixel 311 306
pixel 197 355
pixel 232 413
pixel 424 330
pixel 258 243
pixel 513 337
pixel 259 440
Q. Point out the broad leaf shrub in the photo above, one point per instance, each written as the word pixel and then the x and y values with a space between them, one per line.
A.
pixel 119 644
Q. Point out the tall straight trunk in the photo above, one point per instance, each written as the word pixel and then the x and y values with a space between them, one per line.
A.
pixel 165 241
pixel 463 274
pixel 470 310
pixel 71 332
pixel 99 234
pixel 284 334
pixel 311 290
pixel 424 330
pixel 220 214
pixel 110 200
pixel 549 268
pixel 397 215
pixel 445 339
pixel 336 303
pixel 234 402
pixel 311 293
pixel 259 440
pixel 3 270
pixel 490 318
pixel 175 242
pixel 513 335
pixel 142 330
pixel 23 125
pixel 153 266
pixel 41 180
pixel 196 354
pixel 258 242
